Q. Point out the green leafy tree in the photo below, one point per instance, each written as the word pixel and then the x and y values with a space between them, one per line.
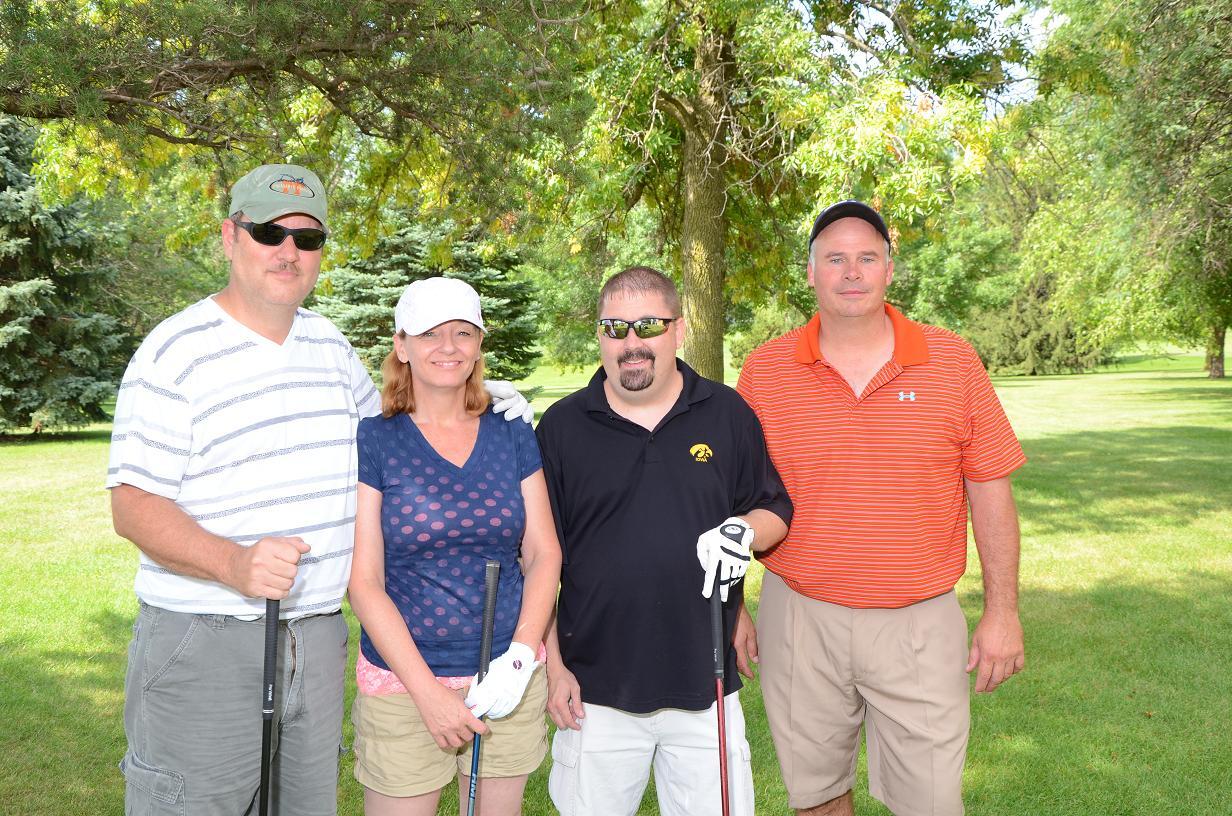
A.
pixel 360 296
pixel 731 119
pixel 395 105
pixel 1158 78
pixel 218 75
pixel 768 322
pixel 61 355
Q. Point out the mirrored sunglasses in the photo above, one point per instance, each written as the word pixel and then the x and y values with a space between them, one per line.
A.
pixel 645 328
pixel 307 239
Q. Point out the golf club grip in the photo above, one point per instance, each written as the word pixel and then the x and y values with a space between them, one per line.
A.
pixel 271 658
pixel 716 629
pixel 491 578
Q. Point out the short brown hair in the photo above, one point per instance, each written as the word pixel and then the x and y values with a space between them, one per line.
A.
pixel 398 390
pixel 642 279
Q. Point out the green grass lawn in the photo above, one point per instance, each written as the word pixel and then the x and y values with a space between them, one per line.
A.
pixel 1126 509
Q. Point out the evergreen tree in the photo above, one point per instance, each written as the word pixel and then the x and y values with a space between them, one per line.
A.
pixel 360 297
pixel 1031 337
pixel 60 357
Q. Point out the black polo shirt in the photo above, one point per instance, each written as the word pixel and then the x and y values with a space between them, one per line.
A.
pixel 629 505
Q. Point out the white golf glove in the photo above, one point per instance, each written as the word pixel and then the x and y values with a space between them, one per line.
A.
pixel 725 551
pixel 509 401
pixel 502 687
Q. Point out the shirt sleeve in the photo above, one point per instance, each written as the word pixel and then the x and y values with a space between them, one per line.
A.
pixel 527 448
pixel 552 476
pixel 758 486
pixel 991 451
pixel 367 441
pixel 151 437
pixel 745 387
pixel 364 392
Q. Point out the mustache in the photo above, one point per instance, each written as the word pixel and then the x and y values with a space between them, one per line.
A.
pixel 632 355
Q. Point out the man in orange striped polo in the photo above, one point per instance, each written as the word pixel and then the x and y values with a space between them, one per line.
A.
pixel 883 431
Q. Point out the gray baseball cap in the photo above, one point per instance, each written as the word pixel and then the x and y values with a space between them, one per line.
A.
pixel 274 190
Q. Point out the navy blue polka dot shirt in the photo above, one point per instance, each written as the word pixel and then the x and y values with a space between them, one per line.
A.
pixel 441 524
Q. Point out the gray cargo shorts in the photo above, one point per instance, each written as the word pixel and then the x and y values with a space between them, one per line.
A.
pixel 192 714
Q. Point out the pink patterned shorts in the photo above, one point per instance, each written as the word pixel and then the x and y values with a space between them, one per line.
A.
pixel 375 681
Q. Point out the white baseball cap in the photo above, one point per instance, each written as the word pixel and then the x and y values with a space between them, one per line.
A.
pixel 433 301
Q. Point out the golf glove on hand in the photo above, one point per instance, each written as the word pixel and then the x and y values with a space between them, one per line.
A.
pixel 509 401
pixel 502 687
pixel 725 551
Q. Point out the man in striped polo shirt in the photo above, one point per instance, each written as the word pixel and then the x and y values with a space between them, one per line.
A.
pixel 233 470
pixel 883 430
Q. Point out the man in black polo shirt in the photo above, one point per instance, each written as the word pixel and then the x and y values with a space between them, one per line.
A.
pixel 643 465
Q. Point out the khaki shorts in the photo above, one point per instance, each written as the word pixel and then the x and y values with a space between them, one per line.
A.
pixel 395 755
pixel 827 669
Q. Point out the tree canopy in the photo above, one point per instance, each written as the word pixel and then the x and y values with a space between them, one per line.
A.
pixel 231 74
pixel 1054 173
pixel 733 121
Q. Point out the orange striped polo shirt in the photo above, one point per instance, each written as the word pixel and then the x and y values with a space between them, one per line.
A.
pixel 877 480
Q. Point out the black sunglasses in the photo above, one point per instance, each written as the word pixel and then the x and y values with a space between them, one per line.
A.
pixel 307 239
pixel 645 328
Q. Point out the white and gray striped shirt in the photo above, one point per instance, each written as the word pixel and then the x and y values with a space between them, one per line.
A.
pixel 251 439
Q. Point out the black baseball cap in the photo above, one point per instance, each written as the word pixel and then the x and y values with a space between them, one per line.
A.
pixel 848 209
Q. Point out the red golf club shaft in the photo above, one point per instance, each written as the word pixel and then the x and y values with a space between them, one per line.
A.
pixel 720 660
pixel 718 690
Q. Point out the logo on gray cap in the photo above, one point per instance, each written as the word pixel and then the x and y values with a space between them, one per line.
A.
pixel 289 185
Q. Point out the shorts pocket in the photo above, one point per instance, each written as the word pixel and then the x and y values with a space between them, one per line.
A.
pixel 563 777
pixel 164 648
pixel 133 644
pixel 151 791
pixel 565 747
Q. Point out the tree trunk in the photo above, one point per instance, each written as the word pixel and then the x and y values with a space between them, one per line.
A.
pixel 703 241
pixel 1214 350
pixel 703 232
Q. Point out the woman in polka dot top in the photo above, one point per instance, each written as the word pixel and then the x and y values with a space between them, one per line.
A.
pixel 445 486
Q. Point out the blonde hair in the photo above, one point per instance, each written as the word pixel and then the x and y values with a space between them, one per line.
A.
pixel 398 390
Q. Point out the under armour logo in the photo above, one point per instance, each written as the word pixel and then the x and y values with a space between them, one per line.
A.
pixel 906 395
pixel 517 665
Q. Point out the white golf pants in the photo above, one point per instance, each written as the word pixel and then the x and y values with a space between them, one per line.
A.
pixel 602 769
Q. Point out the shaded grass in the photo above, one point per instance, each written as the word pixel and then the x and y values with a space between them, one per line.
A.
pixel 1126 581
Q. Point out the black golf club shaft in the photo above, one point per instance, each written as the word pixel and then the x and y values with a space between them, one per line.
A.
pixel 267 701
pixel 491 578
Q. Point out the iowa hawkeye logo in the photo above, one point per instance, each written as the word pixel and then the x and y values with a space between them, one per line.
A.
pixel 701 452
pixel 288 185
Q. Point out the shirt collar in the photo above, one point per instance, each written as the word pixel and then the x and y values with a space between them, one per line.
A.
pixel 910 346
pixel 696 388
